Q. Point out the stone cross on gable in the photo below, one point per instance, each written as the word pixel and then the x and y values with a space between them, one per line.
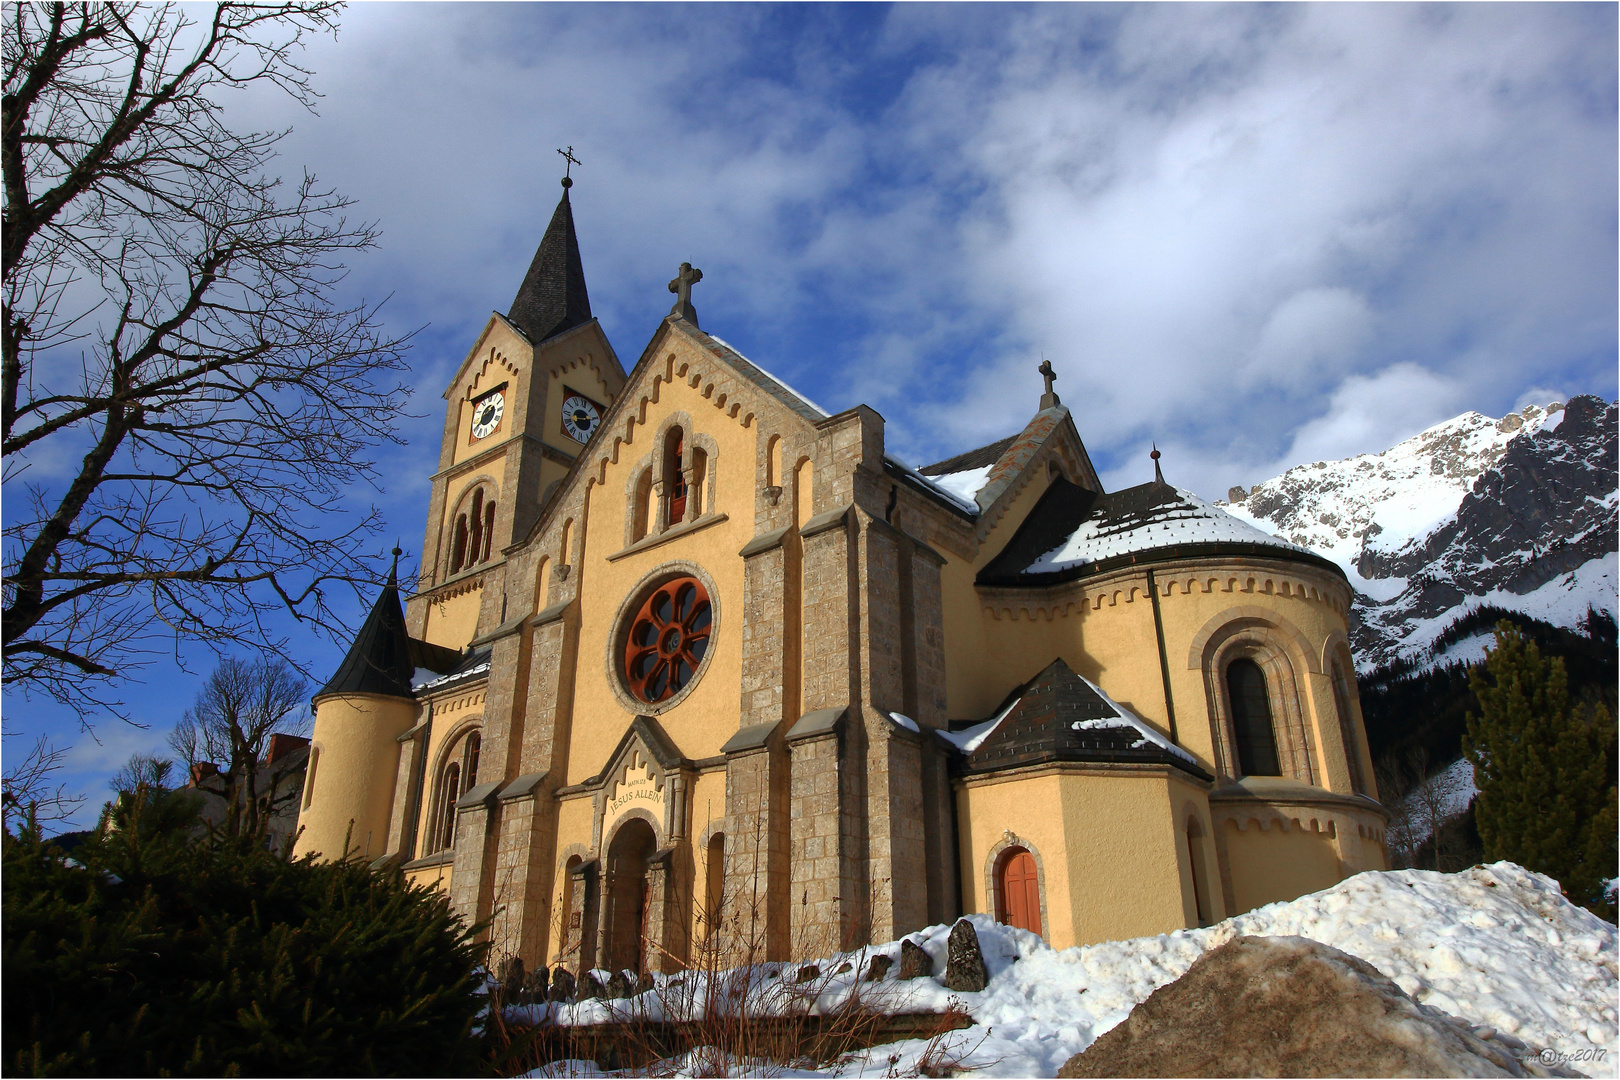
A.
pixel 682 288
pixel 1048 399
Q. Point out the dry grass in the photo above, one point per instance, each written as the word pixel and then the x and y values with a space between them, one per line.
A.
pixel 727 1011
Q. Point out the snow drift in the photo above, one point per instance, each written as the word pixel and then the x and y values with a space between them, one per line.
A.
pixel 1495 945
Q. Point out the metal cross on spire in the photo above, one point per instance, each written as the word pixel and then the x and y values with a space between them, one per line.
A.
pixel 682 288
pixel 571 161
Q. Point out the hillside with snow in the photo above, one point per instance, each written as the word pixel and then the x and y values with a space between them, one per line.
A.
pixel 1518 512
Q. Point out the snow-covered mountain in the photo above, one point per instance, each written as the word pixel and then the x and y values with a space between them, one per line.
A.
pixel 1519 513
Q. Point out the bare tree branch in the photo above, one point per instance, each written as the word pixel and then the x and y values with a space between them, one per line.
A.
pixel 30 787
pixel 184 408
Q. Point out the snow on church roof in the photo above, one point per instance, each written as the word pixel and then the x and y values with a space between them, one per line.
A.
pixel 1060 715
pixel 1121 526
pixel 1073 529
pixel 784 386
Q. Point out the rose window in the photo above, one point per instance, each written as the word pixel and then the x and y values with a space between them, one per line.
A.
pixel 668 638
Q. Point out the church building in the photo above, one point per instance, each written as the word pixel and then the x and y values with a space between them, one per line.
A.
pixel 687 653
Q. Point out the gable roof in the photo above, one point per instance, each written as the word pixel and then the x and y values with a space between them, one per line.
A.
pixel 552 297
pixel 1061 716
pixel 973 459
pixel 379 661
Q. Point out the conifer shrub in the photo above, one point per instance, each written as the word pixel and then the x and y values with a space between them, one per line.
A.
pixel 1545 769
pixel 150 951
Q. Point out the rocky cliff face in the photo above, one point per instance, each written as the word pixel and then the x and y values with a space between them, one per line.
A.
pixel 1519 512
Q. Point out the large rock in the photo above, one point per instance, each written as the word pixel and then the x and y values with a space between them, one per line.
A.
pixel 964 963
pixel 914 961
pixel 1289 1006
pixel 562 985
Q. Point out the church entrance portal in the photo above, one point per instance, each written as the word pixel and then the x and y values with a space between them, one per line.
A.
pixel 629 895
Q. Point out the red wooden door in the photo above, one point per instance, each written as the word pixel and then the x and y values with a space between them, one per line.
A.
pixel 1020 891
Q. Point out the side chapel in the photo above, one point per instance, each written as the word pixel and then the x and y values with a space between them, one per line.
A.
pixel 681 639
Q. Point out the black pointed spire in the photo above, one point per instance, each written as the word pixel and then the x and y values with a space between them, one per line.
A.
pixel 1158 475
pixel 553 297
pixel 379 661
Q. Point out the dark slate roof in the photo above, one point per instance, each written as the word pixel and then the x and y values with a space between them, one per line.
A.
pixel 1072 532
pixel 973 459
pixel 553 297
pixel 379 661
pixel 1037 725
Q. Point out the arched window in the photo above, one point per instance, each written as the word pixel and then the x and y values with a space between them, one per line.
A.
pixel 675 475
pixel 1347 727
pixel 473 534
pixel 459 775
pixel 449 792
pixel 700 468
pixel 714 879
pixel 1018 890
pixel 1195 866
pixel 1251 719
pixel 641 510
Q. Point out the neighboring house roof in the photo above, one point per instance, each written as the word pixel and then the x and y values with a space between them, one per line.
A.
pixel 1072 532
pixel 379 661
pixel 552 297
pixel 1061 716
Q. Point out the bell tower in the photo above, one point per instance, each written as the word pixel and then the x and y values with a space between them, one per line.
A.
pixel 522 405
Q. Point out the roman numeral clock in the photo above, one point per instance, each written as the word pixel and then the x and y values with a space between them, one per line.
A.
pixel 487 413
pixel 580 415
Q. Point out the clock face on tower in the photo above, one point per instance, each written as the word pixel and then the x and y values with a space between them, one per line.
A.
pixel 579 417
pixel 487 412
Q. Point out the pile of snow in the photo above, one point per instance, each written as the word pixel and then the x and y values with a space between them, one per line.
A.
pixel 1496 945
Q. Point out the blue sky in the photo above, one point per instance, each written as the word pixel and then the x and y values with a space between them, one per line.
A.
pixel 1256 235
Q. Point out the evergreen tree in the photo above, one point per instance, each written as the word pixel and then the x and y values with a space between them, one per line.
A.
pixel 1544 769
pixel 150 950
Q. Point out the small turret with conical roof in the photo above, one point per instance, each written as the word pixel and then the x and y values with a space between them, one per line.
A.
pixel 379 661
pixel 354 753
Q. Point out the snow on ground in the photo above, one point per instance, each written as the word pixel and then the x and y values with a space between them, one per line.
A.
pixel 1494 945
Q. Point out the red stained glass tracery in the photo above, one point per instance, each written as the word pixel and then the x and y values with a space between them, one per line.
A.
pixel 668 639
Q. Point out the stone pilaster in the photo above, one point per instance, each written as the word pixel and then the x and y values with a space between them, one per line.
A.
pixel 578 947
pixel 528 843
pixel 755 918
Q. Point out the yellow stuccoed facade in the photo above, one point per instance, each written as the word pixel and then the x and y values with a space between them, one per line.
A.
pixel 899 713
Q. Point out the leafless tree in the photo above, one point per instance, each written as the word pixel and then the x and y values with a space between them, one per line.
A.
pixel 185 406
pixel 30 785
pixel 241 705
